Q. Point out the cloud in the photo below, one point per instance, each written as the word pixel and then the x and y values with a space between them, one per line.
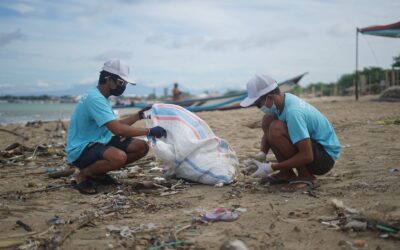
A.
pixel 220 44
pixel 88 80
pixel 341 30
pixel 42 84
pixel 22 8
pixel 251 41
pixel 5 85
pixel 113 54
pixel 7 38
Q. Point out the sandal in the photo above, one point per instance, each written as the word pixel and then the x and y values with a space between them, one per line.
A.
pixel 273 180
pixel 293 185
pixel 83 186
pixel 106 180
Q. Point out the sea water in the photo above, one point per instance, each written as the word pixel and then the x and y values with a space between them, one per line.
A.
pixel 24 112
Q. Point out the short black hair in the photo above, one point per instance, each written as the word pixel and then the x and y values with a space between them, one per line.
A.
pixel 276 91
pixel 104 75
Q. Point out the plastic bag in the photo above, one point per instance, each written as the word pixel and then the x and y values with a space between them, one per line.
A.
pixel 191 150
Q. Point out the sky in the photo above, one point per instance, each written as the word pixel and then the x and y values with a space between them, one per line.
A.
pixel 53 46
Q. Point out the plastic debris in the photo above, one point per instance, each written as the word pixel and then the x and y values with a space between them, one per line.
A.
pixel 220 214
pixel 156 169
pixel 218 185
pixel 356 225
pixel 339 205
pixel 234 245
pixel 56 221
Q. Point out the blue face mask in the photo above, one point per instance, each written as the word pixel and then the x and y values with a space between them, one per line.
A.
pixel 272 110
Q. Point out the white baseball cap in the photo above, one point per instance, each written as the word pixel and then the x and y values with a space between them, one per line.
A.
pixel 258 86
pixel 118 67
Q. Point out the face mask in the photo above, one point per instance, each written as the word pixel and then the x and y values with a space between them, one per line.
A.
pixel 272 110
pixel 118 90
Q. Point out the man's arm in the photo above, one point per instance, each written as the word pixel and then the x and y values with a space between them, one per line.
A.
pixel 303 157
pixel 122 129
pixel 130 119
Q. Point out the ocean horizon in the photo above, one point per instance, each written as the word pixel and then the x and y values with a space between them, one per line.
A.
pixel 34 111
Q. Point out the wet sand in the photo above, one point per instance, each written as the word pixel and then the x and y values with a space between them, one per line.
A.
pixel 269 218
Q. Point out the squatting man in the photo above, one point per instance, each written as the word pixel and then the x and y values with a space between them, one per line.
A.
pixel 299 135
pixel 97 141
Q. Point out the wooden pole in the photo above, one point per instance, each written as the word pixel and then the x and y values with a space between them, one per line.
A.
pixel 356 64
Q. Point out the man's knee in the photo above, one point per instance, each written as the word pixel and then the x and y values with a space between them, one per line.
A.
pixel 277 129
pixel 138 147
pixel 266 122
pixel 144 148
pixel 118 158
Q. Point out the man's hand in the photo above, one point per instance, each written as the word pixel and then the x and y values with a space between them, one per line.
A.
pixel 260 156
pixel 263 169
pixel 158 132
pixel 141 112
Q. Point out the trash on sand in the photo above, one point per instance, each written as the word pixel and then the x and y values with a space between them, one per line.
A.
pixel 393 170
pixel 233 245
pixel 219 214
pixel 129 232
pixel 339 205
pixel 356 225
pixel 159 178
pixel 61 173
pixel 354 245
pixel 23 225
pixel 56 221
pixel 155 169
pixel 241 209
pixel 218 185
pixel 168 244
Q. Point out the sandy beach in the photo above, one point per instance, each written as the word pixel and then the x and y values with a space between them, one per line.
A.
pixel 365 178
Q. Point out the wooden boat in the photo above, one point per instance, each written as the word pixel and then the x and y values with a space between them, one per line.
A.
pixel 206 104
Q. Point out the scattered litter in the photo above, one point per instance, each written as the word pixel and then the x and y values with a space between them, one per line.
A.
pixel 24 225
pixel 339 205
pixel 241 209
pixel 353 245
pixel 159 178
pixel 219 214
pixel 169 193
pixel 393 170
pixel 56 221
pixel 129 232
pixel 356 225
pixel 61 173
pixel 233 245
pixel 218 185
pixel 156 169
pixel 166 245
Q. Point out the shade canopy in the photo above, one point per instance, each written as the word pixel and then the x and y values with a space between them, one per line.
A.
pixel 390 30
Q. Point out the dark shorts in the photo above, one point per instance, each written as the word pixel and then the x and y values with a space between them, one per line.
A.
pixel 94 151
pixel 322 163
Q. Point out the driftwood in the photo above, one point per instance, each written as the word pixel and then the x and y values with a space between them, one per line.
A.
pixel 58 240
pixel 46 189
pixel 62 173
pixel 14 133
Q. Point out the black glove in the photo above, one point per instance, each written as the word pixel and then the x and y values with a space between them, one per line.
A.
pixel 158 132
pixel 141 112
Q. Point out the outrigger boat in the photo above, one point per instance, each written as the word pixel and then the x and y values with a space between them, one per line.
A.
pixel 211 103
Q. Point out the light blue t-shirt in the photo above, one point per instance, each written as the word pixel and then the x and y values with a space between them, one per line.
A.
pixel 88 123
pixel 305 121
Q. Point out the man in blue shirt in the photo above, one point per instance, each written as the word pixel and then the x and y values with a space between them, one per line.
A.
pixel 97 142
pixel 300 136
